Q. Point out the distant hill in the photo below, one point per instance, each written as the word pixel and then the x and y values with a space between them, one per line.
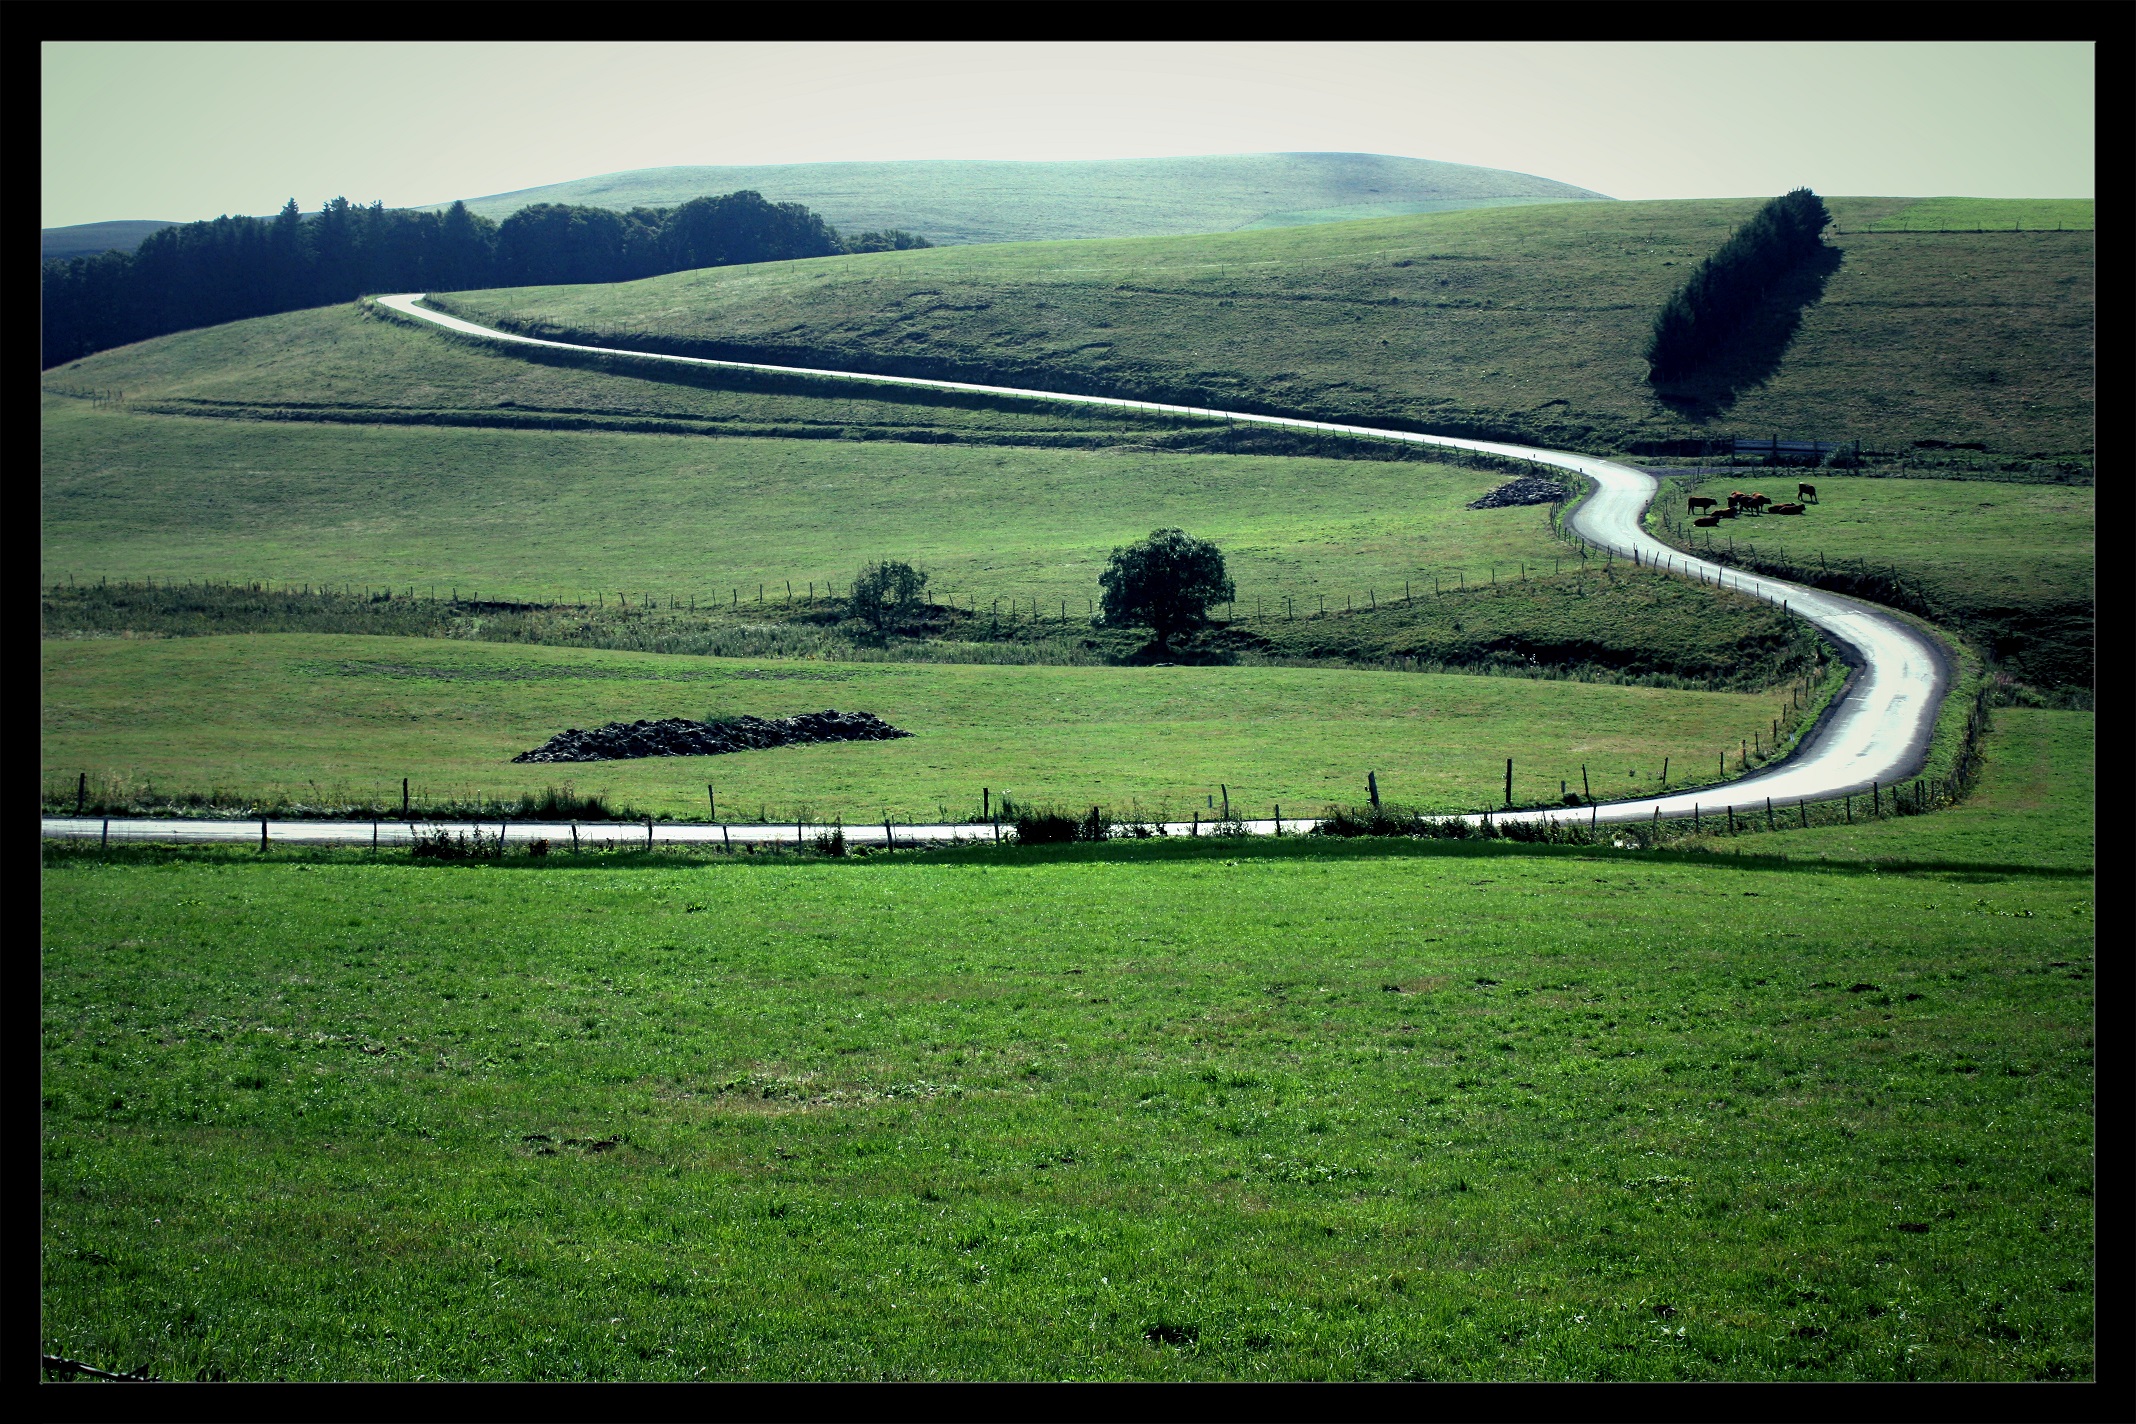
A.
pixel 967 201
pixel 88 239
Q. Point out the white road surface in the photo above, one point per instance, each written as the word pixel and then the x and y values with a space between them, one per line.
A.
pixel 1878 731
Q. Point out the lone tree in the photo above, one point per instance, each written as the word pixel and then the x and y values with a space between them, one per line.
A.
pixel 1166 583
pixel 885 595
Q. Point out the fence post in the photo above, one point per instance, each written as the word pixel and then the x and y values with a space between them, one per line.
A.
pixel 1665 773
pixel 404 796
pixel 648 832
pixel 263 831
pixel 1279 818
pixel 1590 795
pixel 1769 814
pixel 889 837
pixel 574 838
pixel 1804 808
pixel 1509 781
pixel 1372 789
pixel 105 839
pixel 1227 798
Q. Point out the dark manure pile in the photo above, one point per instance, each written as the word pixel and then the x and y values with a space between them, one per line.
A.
pixel 678 736
pixel 1528 489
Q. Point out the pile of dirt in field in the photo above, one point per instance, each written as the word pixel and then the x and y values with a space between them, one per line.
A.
pixel 678 736
pixel 1528 489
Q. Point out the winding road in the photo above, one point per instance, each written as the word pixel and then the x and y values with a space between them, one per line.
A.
pixel 1876 731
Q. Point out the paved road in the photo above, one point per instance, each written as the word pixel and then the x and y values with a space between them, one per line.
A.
pixel 1877 731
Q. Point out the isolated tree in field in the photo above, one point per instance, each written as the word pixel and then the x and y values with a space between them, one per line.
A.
pixel 1165 583
pixel 886 595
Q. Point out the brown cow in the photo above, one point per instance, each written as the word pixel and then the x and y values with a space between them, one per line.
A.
pixel 1788 509
pixel 1707 521
pixel 1729 513
pixel 1808 492
pixel 1700 501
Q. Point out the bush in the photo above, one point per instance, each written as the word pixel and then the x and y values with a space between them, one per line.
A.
pixel 1042 825
pixel 1167 583
pixel 831 842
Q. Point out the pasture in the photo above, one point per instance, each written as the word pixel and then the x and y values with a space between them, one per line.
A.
pixel 326 720
pixel 1525 323
pixel 1203 1110
pixel 2011 564
pixel 537 514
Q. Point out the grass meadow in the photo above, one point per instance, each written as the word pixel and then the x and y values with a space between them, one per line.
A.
pixel 1165 1111
pixel 318 718
pixel 2014 565
pixel 541 514
pixel 1521 322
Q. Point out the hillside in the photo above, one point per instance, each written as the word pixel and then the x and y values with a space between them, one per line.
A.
pixel 1518 323
pixel 88 239
pixel 965 201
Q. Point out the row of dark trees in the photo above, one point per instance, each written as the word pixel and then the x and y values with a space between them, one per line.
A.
pixel 1728 289
pixel 199 274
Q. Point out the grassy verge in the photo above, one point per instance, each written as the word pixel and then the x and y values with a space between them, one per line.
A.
pixel 1124 1112
pixel 324 719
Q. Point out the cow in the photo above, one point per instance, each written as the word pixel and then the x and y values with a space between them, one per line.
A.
pixel 1729 513
pixel 1788 509
pixel 1700 501
pixel 1808 492
pixel 1707 521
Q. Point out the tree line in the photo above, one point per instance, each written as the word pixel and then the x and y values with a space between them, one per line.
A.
pixel 1725 291
pixel 200 274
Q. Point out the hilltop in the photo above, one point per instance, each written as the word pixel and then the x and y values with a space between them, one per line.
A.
pixel 970 201
pixel 56 244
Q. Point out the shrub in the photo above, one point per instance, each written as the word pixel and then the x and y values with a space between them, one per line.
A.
pixel 831 842
pixel 1043 825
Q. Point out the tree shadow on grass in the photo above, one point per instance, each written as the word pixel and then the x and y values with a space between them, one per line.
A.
pixel 1750 357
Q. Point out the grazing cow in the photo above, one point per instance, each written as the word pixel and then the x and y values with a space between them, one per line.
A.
pixel 1788 509
pixel 1700 501
pixel 1808 492
pixel 1707 521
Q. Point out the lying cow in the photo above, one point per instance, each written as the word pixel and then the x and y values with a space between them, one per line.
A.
pixel 1707 521
pixel 1700 501
pixel 1788 509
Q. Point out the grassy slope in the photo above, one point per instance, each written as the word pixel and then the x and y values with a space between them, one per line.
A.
pixel 356 714
pixel 1933 214
pixel 2034 805
pixel 1526 322
pixel 1142 1114
pixel 526 513
pixel 975 201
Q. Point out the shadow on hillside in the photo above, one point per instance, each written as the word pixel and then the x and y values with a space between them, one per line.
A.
pixel 1753 354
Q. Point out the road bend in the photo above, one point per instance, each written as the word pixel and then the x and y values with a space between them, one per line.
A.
pixel 1876 732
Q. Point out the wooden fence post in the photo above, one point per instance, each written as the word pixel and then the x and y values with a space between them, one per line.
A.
pixel 1587 794
pixel 1227 799
pixel 1372 789
pixel 1769 813
pixel 1509 781
pixel 81 793
pixel 1665 773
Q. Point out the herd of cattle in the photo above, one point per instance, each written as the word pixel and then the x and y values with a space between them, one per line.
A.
pixel 1740 503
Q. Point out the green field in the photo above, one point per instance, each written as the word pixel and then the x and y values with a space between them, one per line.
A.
pixel 1522 322
pixel 320 718
pixel 2034 806
pixel 541 513
pixel 1194 1111
pixel 2014 565
pixel 1990 214
pixel 957 201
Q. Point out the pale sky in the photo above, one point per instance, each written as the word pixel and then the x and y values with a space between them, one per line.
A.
pixel 183 131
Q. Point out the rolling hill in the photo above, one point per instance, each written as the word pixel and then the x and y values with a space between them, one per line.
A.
pixel 56 244
pixel 1525 324
pixel 966 201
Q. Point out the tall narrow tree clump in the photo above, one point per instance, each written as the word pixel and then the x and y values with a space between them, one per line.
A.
pixel 1165 583
pixel 1725 290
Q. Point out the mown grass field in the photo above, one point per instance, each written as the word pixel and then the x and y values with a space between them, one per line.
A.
pixel 313 717
pixel 1190 1111
pixel 2014 565
pixel 1521 322
pixel 2035 805
pixel 539 514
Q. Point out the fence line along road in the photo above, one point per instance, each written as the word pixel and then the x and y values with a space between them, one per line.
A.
pixel 1876 731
